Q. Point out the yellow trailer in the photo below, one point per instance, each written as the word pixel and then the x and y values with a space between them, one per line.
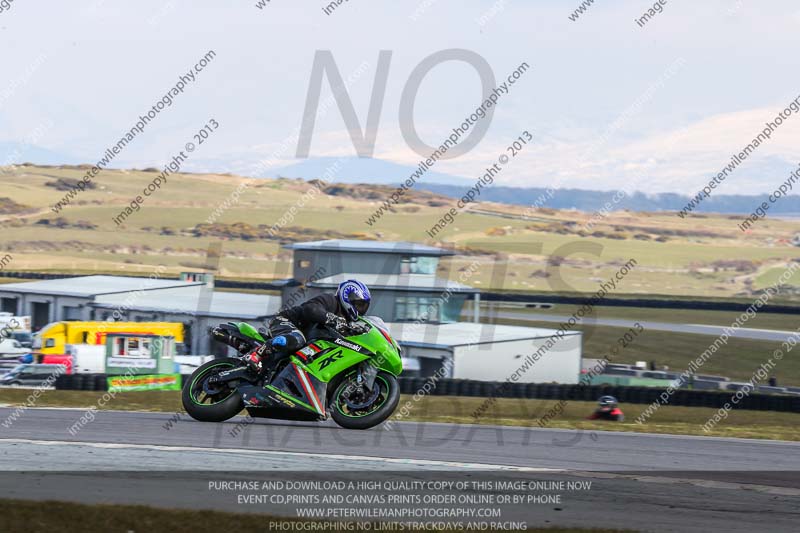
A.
pixel 54 337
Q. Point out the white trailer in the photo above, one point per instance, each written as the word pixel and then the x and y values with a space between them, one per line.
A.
pixel 87 358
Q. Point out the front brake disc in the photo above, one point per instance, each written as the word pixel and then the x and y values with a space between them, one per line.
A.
pixel 363 404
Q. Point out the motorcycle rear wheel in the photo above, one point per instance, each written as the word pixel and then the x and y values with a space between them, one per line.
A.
pixel 207 403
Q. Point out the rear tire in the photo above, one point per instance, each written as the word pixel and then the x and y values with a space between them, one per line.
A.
pixel 388 397
pixel 223 406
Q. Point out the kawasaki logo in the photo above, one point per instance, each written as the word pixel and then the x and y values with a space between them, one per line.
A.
pixel 354 347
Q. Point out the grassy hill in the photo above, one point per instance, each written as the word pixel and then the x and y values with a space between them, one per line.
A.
pixel 700 256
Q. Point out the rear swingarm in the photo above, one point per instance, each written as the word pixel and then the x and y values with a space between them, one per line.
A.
pixel 232 375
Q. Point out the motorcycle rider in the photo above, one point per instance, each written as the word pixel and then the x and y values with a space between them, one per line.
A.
pixel 287 331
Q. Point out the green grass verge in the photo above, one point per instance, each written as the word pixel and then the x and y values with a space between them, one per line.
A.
pixel 501 411
pixel 63 517
pixel 668 419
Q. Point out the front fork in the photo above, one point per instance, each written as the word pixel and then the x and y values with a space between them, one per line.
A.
pixel 366 374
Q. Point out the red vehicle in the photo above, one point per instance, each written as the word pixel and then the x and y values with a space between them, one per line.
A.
pixel 53 359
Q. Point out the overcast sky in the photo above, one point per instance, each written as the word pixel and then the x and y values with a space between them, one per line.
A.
pixel 610 104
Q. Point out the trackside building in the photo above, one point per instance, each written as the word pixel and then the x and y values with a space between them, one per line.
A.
pixel 490 352
pixel 190 300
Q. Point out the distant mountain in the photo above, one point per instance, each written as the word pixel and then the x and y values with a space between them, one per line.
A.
pixel 586 200
pixel 361 170
pixel 375 171
pixel 14 153
pixel 378 172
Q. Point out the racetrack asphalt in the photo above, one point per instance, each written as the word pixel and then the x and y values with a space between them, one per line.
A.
pixel 640 481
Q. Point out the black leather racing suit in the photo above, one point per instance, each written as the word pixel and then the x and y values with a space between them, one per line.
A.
pixel 294 323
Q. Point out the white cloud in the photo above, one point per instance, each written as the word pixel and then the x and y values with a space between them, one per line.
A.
pixel 584 75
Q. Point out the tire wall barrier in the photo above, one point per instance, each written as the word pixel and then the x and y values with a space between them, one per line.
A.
pixel 90 382
pixel 590 393
pixel 540 391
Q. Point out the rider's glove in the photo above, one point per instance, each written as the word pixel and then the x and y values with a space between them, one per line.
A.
pixel 358 327
pixel 335 321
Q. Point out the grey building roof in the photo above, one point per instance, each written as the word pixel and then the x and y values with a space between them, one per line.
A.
pixel 89 286
pixel 345 245
pixel 194 300
pixel 415 282
pixel 464 334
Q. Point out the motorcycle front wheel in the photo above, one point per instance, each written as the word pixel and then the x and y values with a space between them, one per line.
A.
pixel 354 407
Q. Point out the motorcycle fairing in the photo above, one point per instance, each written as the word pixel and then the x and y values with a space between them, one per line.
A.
pixel 301 387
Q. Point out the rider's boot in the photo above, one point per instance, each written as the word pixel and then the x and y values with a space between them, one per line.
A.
pixel 256 358
pixel 253 360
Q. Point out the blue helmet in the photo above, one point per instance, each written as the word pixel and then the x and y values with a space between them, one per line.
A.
pixel 353 297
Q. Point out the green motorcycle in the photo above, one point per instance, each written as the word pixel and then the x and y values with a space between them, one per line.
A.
pixel 348 375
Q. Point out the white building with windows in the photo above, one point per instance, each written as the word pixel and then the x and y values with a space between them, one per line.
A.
pixel 490 352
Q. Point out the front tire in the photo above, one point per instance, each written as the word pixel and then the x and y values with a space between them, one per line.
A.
pixel 350 413
pixel 204 403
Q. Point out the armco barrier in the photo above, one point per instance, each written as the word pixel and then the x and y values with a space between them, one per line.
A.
pixel 542 391
pixel 655 303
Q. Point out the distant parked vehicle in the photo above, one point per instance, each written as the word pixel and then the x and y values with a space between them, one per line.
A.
pixel 15 328
pixel 5 368
pixel 24 337
pixel 31 375
pixel 12 347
